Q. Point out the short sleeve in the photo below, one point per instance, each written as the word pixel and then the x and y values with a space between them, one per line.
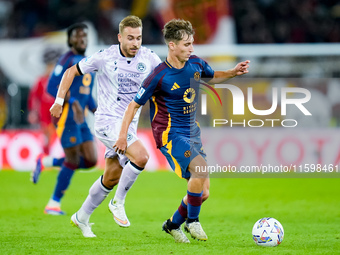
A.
pixel 155 60
pixel 91 63
pixel 147 89
pixel 207 71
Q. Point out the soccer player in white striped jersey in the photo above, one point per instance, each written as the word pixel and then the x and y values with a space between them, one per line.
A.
pixel 121 70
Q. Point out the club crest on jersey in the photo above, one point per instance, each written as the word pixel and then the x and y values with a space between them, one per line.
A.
pixel 189 95
pixel 187 154
pixel 141 67
pixel 87 79
pixel 197 76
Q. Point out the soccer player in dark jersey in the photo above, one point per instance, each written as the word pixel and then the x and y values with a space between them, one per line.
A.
pixel 173 104
pixel 75 136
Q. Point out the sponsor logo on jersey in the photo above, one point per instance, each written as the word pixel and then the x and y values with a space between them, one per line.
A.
pixel 175 86
pixel 140 92
pixel 189 95
pixel 115 67
pixel 197 76
pixel 141 67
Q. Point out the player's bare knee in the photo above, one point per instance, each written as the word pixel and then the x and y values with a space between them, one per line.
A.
pixel 92 162
pixel 142 160
pixel 72 161
pixel 88 163
pixel 93 159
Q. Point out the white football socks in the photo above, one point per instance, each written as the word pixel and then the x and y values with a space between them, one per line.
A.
pixel 127 179
pixel 97 194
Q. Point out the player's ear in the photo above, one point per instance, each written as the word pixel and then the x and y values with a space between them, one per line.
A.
pixel 119 37
pixel 171 45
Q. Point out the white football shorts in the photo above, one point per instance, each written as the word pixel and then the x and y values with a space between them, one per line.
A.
pixel 108 135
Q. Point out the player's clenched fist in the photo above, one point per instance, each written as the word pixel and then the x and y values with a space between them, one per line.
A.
pixel 57 108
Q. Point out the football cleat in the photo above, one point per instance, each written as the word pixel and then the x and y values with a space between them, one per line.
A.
pixel 177 233
pixel 196 231
pixel 38 169
pixel 53 211
pixel 118 211
pixel 84 227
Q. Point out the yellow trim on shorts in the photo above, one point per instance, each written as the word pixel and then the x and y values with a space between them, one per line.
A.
pixel 62 120
pixel 165 134
pixel 177 166
pixel 156 106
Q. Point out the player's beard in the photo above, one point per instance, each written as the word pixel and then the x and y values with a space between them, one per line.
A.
pixel 132 54
pixel 81 51
pixel 128 52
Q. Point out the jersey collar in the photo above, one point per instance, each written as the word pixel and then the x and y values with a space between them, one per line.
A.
pixel 174 68
pixel 122 55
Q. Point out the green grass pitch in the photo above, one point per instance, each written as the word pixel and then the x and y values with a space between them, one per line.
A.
pixel 309 210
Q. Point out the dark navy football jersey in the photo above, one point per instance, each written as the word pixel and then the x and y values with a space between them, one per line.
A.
pixel 81 89
pixel 173 95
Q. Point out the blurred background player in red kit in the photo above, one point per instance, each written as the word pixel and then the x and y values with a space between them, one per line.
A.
pixel 39 101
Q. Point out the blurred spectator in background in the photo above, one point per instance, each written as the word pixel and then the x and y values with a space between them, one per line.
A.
pixel 30 18
pixel 257 21
pixel 39 101
pixel 289 21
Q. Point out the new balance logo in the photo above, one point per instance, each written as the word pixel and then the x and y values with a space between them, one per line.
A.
pixel 175 86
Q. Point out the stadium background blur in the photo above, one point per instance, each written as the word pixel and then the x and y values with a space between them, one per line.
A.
pixel 284 40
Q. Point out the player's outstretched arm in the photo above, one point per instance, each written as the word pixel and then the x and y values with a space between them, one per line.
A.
pixel 121 144
pixel 64 86
pixel 221 76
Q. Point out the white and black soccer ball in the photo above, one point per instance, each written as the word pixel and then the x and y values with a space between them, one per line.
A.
pixel 268 232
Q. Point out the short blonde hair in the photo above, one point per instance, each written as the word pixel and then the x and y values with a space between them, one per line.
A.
pixel 176 29
pixel 130 21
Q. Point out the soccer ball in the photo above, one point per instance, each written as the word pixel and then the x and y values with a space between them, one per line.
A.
pixel 268 232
